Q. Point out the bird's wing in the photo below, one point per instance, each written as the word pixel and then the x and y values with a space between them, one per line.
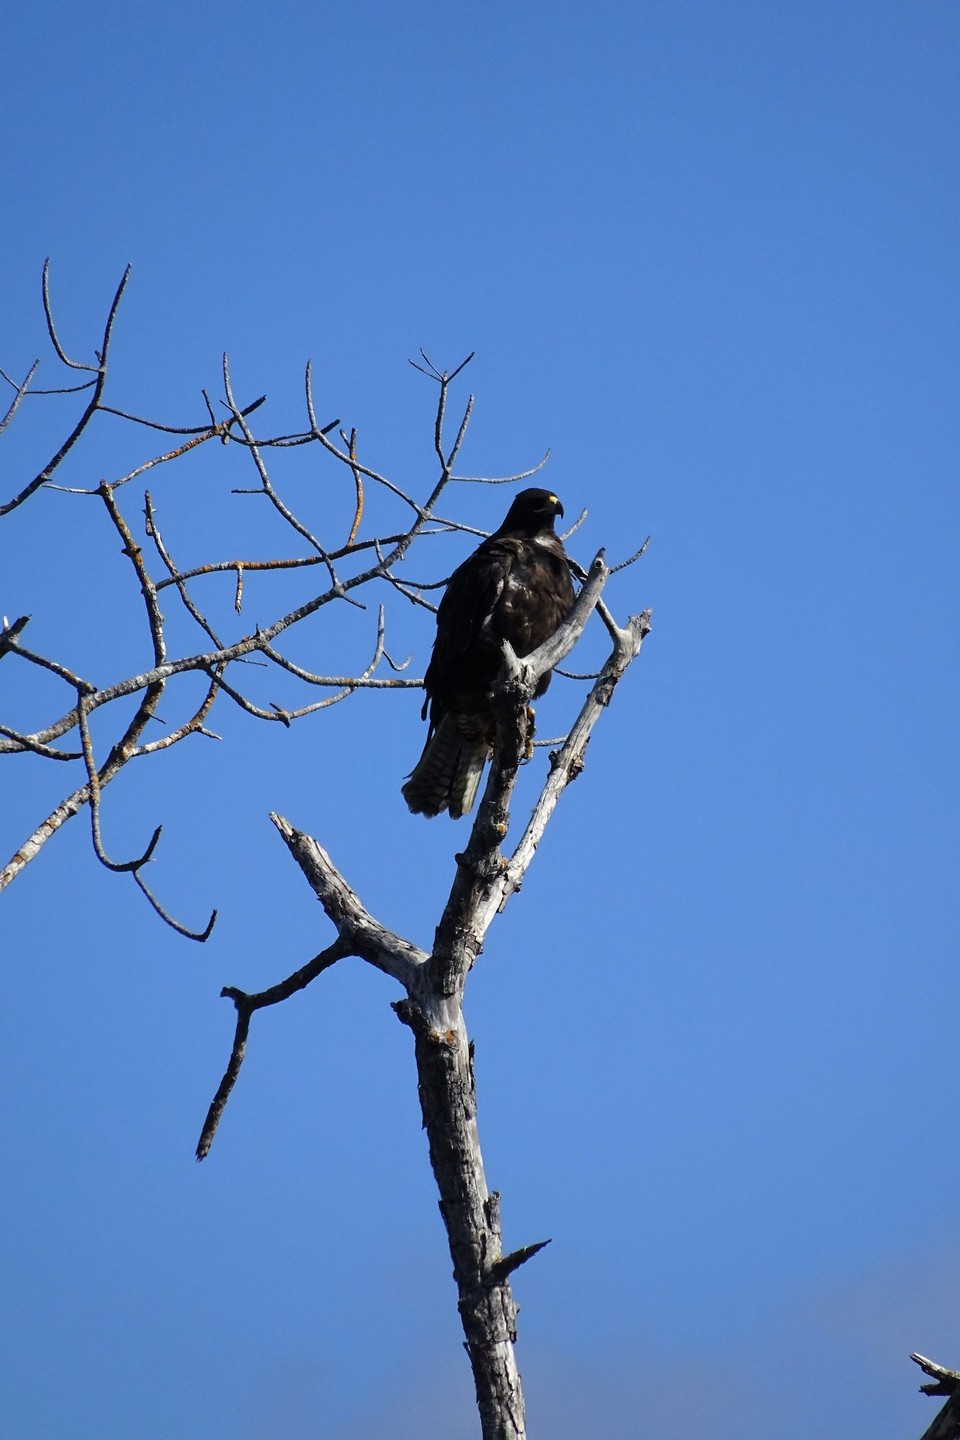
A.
pixel 468 604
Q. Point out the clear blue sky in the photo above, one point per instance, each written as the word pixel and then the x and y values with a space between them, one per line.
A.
pixel 707 253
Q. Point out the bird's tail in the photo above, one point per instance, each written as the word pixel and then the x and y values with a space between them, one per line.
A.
pixel 447 775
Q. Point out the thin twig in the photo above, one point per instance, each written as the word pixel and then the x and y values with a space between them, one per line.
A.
pixel 21 390
pixel 93 781
pixel 47 751
pixel 74 681
pixel 633 558
pixel 193 726
pixel 462 432
pixel 199 935
pixel 135 555
pixel 246 1005
pixel 215 427
pixel 358 483
pixel 52 329
pixel 176 578
pixel 502 479
pixel 94 402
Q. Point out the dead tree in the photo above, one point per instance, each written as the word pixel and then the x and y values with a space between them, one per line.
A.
pixel 488 871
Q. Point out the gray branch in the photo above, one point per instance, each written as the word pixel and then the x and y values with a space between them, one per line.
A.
pixel 946 1426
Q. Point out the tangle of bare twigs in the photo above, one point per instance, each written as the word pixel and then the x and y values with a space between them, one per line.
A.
pixel 350 565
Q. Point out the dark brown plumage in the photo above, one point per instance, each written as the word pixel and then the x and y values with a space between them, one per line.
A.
pixel 516 586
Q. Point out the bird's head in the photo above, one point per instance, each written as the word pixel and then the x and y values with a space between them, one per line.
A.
pixel 532 512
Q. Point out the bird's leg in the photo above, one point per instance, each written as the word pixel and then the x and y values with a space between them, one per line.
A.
pixel 529 730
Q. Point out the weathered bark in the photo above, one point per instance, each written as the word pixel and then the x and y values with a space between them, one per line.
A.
pixel 470 1213
pixel 946 1426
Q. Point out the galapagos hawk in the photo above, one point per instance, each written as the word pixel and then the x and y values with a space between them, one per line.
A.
pixel 516 586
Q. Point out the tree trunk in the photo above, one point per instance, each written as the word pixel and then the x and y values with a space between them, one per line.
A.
pixel 470 1213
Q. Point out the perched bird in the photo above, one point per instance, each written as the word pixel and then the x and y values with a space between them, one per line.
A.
pixel 516 586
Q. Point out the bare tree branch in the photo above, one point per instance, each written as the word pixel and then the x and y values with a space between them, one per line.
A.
pixel 356 927
pixel 201 432
pixel 946 1426
pixel 176 578
pixel 10 631
pixel 94 403
pixel 20 391
pixel 47 752
pixel 245 1006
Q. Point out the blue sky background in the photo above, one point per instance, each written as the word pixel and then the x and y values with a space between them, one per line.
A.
pixel 708 254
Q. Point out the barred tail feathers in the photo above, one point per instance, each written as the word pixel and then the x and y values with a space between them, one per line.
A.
pixel 466 781
pixel 447 775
